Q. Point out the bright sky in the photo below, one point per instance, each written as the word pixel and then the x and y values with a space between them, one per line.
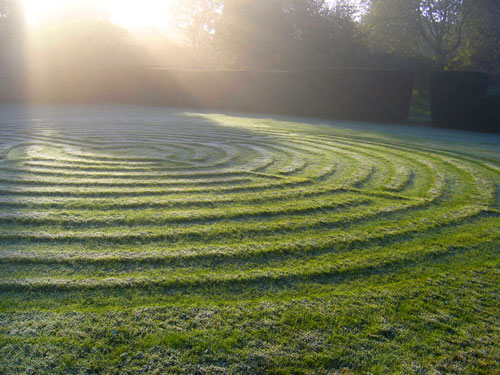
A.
pixel 131 14
pixel 134 15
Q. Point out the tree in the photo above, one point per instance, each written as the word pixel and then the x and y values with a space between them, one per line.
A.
pixel 12 33
pixel 418 27
pixel 325 33
pixel 196 20
pixel 392 28
pixel 441 24
pixel 288 34
pixel 481 47
pixel 78 34
pixel 254 34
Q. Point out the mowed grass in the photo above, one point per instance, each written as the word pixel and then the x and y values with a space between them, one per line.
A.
pixel 140 240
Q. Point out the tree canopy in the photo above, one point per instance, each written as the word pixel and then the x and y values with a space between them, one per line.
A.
pixel 292 34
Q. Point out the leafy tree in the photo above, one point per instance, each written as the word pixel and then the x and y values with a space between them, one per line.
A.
pixel 254 34
pixel 441 24
pixel 196 20
pixel 418 27
pixel 12 34
pixel 481 49
pixel 325 33
pixel 392 30
pixel 287 34
pixel 79 35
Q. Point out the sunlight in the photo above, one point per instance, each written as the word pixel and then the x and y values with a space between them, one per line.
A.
pixel 36 10
pixel 130 14
pixel 134 14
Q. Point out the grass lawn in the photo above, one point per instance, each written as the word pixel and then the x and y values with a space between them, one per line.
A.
pixel 142 240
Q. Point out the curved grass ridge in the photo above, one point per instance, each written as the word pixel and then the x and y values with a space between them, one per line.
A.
pixel 207 204
pixel 201 181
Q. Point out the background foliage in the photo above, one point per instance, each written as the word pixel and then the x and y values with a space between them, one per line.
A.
pixel 290 34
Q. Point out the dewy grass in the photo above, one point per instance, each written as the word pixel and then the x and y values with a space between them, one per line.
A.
pixel 146 240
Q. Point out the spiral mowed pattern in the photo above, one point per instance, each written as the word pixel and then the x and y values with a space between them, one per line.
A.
pixel 156 217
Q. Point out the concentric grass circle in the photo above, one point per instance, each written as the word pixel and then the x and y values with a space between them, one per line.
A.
pixel 232 199
pixel 149 240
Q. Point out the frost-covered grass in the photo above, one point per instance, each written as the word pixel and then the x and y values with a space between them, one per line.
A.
pixel 151 240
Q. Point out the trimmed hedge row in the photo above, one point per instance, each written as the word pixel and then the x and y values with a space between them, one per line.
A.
pixel 352 94
pixel 459 101
pixel 486 113
pixel 343 94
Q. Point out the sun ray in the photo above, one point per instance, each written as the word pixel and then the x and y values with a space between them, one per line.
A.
pixel 130 14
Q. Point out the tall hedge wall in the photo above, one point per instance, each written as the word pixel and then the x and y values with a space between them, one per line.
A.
pixel 459 101
pixel 353 94
pixel 485 111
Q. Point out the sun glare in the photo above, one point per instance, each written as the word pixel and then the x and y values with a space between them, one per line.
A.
pixel 139 14
pixel 130 14
pixel 36 10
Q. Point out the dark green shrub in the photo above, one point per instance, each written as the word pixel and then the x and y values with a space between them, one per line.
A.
pixel 452 94
pixel 351 94
pixel 485 113
pixel 358 94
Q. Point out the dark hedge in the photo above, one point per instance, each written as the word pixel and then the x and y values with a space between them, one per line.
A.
pixel 458 101
pixel 485 111
pixel 352 94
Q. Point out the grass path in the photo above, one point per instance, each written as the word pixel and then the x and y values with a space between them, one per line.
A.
pixel 146 240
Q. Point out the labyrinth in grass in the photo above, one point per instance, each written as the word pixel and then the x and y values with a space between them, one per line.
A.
pixel 146 240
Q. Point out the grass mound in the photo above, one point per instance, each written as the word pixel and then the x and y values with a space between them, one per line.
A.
pixel 142 240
